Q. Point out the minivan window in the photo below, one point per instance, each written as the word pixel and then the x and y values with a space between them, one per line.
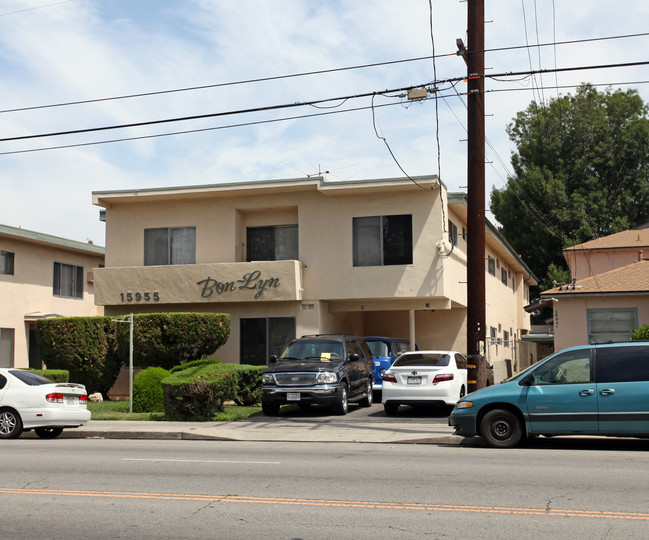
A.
pixel 622 364
pixel 566 368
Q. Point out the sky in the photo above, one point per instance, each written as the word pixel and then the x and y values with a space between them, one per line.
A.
pixel 62 52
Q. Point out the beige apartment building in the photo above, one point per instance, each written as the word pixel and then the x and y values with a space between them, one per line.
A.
pixel 41 276
pixel 291 257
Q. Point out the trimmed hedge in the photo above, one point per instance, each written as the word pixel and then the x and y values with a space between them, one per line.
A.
pixel 147 390
pixel 57 375
pixel 195 363
pixel 198 393
pixel 249 384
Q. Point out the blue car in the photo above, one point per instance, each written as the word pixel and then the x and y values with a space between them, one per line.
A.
pixel 384 352
pixel 587 390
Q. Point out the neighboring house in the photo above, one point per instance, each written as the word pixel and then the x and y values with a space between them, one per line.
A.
pixel 291 257
pixel 609 295
pixel 41 276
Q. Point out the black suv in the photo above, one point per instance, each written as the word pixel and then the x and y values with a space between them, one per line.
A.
pixel 325 369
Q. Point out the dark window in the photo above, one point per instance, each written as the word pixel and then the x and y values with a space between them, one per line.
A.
pixel 30 378
pixel 565 368
pixel 276 243
pixel 452 233
pixel 492 265
pixel 3 381
pixel 382 240
pixel 6 347
pixel 170 245
pixel 353 348
pixel 503 276
pixel 68 280
pixel 622 364
pixel 460 361
pixel 262 337
pixel 7 263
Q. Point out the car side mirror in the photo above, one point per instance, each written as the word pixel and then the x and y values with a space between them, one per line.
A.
pixel 272 359
pixel 354 357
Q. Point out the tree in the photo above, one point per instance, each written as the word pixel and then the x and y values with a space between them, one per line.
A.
pixel 581 171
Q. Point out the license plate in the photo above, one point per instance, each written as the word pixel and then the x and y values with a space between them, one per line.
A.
pixel 70 400
pixel 293 396
pixel 414 380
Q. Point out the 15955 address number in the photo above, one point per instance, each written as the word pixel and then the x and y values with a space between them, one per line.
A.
pixel 140 296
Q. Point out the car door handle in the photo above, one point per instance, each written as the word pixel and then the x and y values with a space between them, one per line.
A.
pixel 588 392
pixel 607 392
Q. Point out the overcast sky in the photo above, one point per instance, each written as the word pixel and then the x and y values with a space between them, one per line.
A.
pixel 54 52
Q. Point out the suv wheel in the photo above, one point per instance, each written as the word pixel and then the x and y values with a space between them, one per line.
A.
pixel 269 408
pixel 501 428
pixel 369 395
pixel 341 406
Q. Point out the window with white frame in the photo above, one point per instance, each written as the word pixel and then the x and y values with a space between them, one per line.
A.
pixel 169 245
pixel 382 240
pixel 611 325
pixel 68 280
pixel 7 263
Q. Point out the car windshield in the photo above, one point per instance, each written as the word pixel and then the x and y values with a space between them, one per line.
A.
pixel 379 348
pixel 313 351
pixel 29 378
pixel 427 359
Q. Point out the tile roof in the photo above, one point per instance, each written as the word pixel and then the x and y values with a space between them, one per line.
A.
pixel 633 278
pixel 631 239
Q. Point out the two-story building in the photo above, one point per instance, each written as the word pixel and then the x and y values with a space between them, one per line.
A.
pixel 41 276
pixel 609 295
pixel 291 257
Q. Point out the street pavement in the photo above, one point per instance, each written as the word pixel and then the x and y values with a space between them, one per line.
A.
pixel 357 428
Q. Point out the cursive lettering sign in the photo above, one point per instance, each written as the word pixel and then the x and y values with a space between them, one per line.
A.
pixel 251 280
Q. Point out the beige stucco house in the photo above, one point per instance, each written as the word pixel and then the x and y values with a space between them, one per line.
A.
pixel 41 276
pixel 609 295
pixel 292 257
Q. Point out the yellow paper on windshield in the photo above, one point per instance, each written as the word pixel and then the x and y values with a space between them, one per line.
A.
pixel 325 357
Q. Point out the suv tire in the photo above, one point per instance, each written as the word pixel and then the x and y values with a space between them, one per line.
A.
pixel 369 398
pixel 501 428
pixel 341 406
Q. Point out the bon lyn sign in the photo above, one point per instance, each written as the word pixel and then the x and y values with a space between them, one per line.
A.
pixel 252 281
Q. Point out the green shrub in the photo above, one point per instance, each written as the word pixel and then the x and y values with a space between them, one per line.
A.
pixel 147 390
pixel 57 375
pixel 84 346
pixel 249 384
pixel 194 363
pixel 641 334
pixel 199 392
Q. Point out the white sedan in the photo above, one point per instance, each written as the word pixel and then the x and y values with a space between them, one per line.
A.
pixel 30 401
pixel 424 377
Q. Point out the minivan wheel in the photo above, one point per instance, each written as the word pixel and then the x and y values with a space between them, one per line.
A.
pixel 369 398
pixel 501 428
pixel 341 406
pixel 11 425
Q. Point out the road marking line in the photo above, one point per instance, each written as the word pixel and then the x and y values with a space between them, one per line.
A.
pixel 343 504
pixel 201 461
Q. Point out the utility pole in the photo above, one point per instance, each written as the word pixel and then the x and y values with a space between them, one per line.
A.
pixel 476 311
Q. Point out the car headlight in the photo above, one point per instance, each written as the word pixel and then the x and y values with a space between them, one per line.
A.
pixel 464 404
pixel 268 379
pixel 326 377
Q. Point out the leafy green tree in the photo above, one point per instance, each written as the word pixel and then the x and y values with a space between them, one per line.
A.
pixel 581 171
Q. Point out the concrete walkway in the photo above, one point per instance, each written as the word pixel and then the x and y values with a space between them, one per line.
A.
pixel 262 428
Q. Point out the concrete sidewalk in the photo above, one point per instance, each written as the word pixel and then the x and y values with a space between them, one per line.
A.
pixel 330 429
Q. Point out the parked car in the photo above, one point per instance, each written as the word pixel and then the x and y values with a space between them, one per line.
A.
pixel 30 401
pixel 325 369
pixel 384 352
pixel 587 390
pixel 424 377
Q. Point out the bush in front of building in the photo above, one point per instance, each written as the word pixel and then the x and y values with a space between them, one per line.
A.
pixel 56 375
pixel 198 393
pixel 249 384
pixel 86 347
pixel 194 363
pixel 641 334
pixel 147 390
pixel 168 339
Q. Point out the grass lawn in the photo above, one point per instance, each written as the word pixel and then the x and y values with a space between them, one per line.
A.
pixel 118 410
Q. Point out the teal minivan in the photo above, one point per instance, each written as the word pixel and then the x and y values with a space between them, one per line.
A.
pixel 586 390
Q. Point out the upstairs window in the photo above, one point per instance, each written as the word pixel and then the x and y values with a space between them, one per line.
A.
pixel 503 276
pixel 273 243
pixel 7 263
pixel 68 280
pixel 491 265
pixel 452 233
pixel 169 245
pixel 382 240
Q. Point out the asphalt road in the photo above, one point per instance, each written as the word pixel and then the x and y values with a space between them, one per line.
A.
pixel 92 488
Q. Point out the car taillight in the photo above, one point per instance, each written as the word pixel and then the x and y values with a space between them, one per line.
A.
pixel 83 399
pixel 443 377
pixel 54 398
pixel 390 377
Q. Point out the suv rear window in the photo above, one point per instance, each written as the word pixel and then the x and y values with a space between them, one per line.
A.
pixel 622 364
